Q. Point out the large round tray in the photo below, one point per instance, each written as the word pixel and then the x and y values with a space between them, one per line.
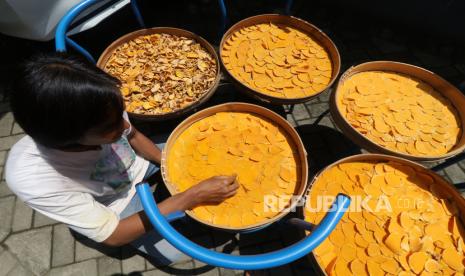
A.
pixel 445 187
pixel 174 31
pixel 442 86
pixel 256 110
pixel 296 23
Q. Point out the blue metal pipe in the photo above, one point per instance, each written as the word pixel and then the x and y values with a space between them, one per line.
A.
pixel 249 262
pixel 60 33
pixel 175 216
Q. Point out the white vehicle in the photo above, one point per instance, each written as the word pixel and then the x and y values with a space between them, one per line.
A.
pixel 38 19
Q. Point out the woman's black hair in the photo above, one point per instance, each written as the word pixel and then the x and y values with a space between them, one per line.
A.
pixel 56 98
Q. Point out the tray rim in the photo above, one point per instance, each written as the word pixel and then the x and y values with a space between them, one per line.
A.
pixel 106 54
pixel 296 23
pixel 436 81
pixel 450 189
pixel 239 107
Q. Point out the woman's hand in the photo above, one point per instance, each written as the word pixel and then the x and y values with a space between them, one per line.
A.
pixel 212 191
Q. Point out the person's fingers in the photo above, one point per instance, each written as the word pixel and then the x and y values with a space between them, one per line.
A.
pixel 227 180
pixel 234 186
pixel 225 176
pixel 235 181
pixel 231 193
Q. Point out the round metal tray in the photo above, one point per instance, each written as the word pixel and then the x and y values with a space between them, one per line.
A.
pixel 296 23
pixel 445 187
pixel 247 108
pixel 174 31
pixel 442 86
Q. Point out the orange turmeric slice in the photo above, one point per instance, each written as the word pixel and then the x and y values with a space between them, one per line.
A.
pixel 417 261
pixel 453 259
pixel 393 242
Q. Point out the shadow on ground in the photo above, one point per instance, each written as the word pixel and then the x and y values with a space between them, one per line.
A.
pixel 324 145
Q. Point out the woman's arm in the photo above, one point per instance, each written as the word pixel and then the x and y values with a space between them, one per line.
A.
pixel 135 225
pixel 144 146
pixel 211 191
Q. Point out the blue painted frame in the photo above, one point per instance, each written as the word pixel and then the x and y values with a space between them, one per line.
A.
pixel 61 39
pixel 248 262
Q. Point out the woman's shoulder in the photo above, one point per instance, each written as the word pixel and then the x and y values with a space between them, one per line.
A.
pixel 22 152
pixel 21 167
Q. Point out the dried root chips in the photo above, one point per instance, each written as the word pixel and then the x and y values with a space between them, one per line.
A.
pixel 227 143
pixel 162 73
pixel 400 113
pixel 277 60
pixel 418 233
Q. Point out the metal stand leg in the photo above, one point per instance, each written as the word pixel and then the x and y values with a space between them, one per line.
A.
pixel 322 115
pixel 460 186
pixel 81 50
pixel 136 10
pixel 287 10
pixel 449 162
pixel 462 86
pixel 291 108
pixel 302 224
pixel 224 18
